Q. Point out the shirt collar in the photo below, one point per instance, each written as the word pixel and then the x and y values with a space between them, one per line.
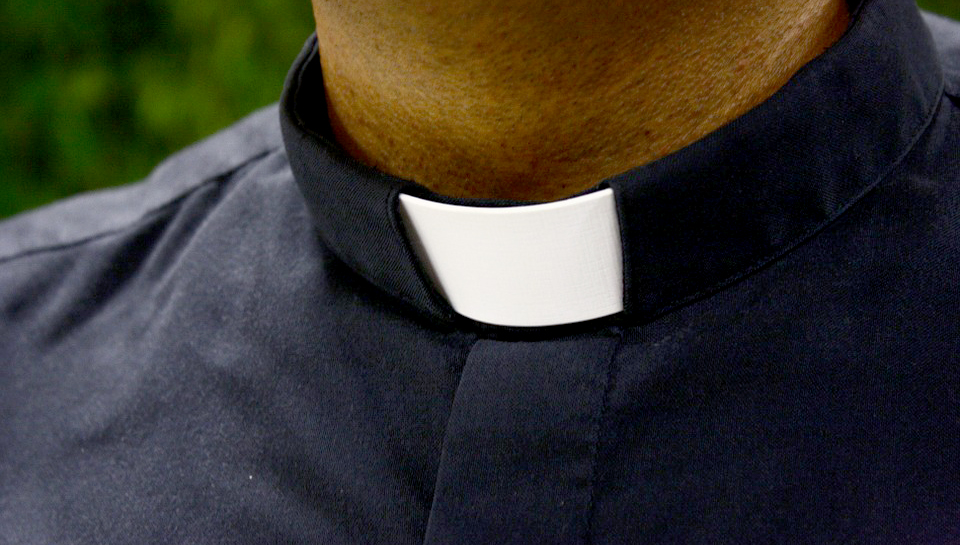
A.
pixel 694 221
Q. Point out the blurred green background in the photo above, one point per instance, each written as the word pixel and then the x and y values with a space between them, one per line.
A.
pixel 96 92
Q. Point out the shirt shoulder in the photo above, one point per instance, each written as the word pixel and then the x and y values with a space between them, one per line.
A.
pixel 90 215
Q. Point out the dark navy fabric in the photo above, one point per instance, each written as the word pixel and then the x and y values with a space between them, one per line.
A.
pixel 244 349
pixel 526 417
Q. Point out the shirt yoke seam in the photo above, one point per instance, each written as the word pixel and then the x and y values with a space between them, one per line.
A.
pixel 150 213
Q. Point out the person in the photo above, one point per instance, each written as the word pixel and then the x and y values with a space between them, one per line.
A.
pixel 516 272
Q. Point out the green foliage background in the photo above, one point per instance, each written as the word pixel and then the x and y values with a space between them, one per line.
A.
pixel 96 92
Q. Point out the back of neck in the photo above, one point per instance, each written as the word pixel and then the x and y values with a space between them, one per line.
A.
pixel 538 100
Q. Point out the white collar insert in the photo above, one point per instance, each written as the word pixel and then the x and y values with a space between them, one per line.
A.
pixel 522 266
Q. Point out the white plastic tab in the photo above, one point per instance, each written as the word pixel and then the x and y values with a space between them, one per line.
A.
pixel 522 266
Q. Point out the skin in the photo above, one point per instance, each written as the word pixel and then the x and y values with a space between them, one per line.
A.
pixel 536 100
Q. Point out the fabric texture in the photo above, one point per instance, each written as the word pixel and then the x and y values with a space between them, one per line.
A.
pixel 244 348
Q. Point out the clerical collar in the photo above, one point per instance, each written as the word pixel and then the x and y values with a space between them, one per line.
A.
pixel 524 266
pixel 690 223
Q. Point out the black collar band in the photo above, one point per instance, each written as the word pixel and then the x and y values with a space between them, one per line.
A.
pixel 694 221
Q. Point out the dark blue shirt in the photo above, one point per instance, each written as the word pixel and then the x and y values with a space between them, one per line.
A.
pixel 244 348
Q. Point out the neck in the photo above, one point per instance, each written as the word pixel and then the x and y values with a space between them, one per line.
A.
pixel 539 100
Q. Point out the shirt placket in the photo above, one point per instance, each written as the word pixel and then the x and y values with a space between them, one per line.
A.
pixel 520 449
